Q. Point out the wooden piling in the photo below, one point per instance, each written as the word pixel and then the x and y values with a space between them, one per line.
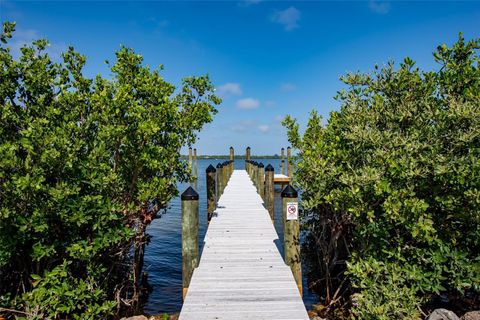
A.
pixel 247 154
pixel 291 233
pixel 224 174
pixel 195 164
pixel 261 180
pixel 232 159
pixel 219 180
pixel 255 174
pixel 270 190
pixel 190 161
pixel 190 249
pixel 211 192
pixel 289 162
pixel 283 161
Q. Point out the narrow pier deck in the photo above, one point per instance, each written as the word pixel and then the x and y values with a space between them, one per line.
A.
pixel 241 274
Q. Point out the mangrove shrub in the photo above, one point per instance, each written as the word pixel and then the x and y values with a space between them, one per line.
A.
pixel 392 187
pixel 85 165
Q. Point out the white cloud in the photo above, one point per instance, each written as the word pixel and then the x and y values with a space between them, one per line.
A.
pixel 287 87
pixel 379 7
pixel 270 103
pixel 288 18
pixel 263 128
pixel 278 118
pixel 243 126
pixel 230 88
pixel 248 103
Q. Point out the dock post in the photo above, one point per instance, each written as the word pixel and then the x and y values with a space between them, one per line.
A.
pixel 232 158
pixel 225 174
pixel 219 180
pixel 261 180
pixel 283 161
pixel 190 250
pixel 254 174
pixel 190 161
pixel 195 164
pixel 211 173
pixel 247 154
pixel 291 233
pixel 270 190
pixel 289 162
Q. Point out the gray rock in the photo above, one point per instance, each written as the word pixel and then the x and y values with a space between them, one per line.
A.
pixel 442 314
pixel 472 315
pixel 135 318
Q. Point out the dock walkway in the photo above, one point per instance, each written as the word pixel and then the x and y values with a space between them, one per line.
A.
pixel 241 274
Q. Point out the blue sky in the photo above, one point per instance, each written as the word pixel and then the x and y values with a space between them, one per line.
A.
pixel 266 58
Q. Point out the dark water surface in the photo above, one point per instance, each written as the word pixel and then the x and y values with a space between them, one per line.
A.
pixel 163 255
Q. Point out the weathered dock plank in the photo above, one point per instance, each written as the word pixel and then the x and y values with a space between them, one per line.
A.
pixel 241 274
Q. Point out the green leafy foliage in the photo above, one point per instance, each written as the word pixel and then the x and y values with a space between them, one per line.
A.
pixel 392 185
pixel 85 164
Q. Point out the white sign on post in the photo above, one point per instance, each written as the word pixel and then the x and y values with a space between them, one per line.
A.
pixel 292 210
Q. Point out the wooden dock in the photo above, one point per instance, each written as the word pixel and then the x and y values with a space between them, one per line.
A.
pixel 241 274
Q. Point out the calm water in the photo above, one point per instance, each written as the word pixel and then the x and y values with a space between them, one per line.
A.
pixel 163 255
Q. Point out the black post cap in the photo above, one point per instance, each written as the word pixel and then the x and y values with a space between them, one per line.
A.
pixel 289 192
pixel 231 147
pixel 219 165
pixel 269 168
pixel 260 165
pixel 189 194
pixel 248 147
pixel 211 169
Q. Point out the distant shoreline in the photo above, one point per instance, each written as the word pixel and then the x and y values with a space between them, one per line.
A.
pixel 239 157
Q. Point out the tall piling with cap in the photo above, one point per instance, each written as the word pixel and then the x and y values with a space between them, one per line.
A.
pixel 232 158
pixel 211 192
pixel 190 162
pixel 190 249
pixel 219 180
pixel 261 180
pixel 255 174
pixel 289 162
pixel 270 190
pixel 291 233
pixel 225 175
pixel 282 171
pixel 195 164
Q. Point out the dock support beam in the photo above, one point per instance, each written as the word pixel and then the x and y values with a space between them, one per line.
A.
pixel 291 233
pixel 270 190
pixel 211 192
pixel 190 250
